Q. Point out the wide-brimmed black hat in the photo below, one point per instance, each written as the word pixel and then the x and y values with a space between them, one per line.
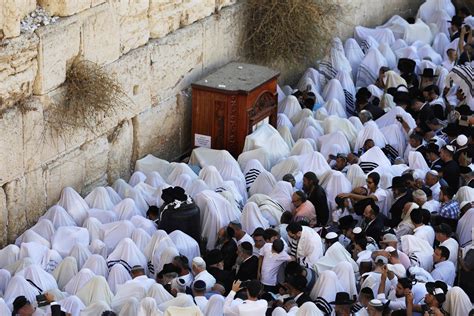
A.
pixel 347 222
pixel 342 298
pixel 406 65
pixel 457 20
pixel 452 129
pixel 360 206
pixel 428 73
pixel 397 183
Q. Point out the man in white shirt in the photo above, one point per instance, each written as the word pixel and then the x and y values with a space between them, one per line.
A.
pixel 182 263
pixel 272 255
pixel 444 270
pixel 396 295
pixel 252 306
pixel 139 277
pixel 200 273
pixel 421 230
pixel 443 235
pixel 432 181
pixel 240 235
pixel 199 291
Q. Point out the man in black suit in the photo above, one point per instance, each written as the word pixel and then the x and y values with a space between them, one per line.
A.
pixel 362 103
pixel 296 286
pixel 317 196
pixel 423 113
pixel 402 196
pixel 215 266
pixel 248 267
pixel 373 221
pixel 416 142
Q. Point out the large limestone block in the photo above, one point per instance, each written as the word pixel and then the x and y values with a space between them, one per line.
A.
pixel 11 145
pixel 194 10
pixel 11 13
pixel 64 7
pixel 133 20
pixel 120 153
pixel 18 66
pixel 35 195
pixel 3 218
pixel 96 156
pixel 159 131
pixel 33 137
pixel 222 38
pixel 100 39
pixel 132 71
pixel 176 61
pixel 164 17
pixel 58 46
pixel 15 197
pixel 66 171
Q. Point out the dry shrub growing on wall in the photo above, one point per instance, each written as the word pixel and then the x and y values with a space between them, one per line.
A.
pixel 289 33
pixel 91 96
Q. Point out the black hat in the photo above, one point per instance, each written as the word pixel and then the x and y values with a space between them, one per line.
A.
pixel 213 257
pixel 444 229
pixel 342 298
pixel 347 222
pixel 438 289
pixel 363 93
pixel 18 303
pixel 360 206
pixel 428 73
pixel 452 129
pixel 397 183
pixel 298 282
pixel 199 285
pixel 457 20
pixel 401 97
pixel 406 65
pixel 432 148
pixel 427 190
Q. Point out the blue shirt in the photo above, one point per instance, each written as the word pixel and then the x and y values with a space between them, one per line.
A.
pixel 449 209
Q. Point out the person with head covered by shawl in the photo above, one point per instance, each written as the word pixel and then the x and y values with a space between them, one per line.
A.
pixel 363 97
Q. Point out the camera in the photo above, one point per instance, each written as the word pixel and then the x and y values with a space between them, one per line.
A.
pixel 41 300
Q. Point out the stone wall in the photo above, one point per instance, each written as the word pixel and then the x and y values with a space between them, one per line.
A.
pixel 155 49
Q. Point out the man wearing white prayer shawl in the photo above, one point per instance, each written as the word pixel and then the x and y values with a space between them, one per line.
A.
pixel 369 68
pixel 181 299
pixel 96 290
pixel 252 306
pixel 372 279
pixel 309 247
pixel 66 237
pixel 59 217
pixel 334 255
pixel 457 302
pixel 99 198
pixel 128 254
pixel 465 224
pixel 125 291
pixel 65 271
pixel 252 218
pixel 78 281
pixel 74 204
pixel 118 275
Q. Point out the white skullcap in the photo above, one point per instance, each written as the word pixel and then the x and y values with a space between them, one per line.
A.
pixel 461 140
pixel 434 173
pixel 357 230
pixel 198 261
pixel 390 249
pixel 331 235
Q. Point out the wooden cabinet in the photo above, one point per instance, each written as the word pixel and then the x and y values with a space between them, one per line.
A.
pixel 229 104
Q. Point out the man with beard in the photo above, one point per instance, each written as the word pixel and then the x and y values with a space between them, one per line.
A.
pixel 317 196
pixel 396 294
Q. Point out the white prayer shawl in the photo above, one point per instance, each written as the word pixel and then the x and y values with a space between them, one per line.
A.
pixel 440 44
pixel 417 161
pixel 72 305
pixel 418 32
pixel 336 183
pixel 287 89
pixel 19 265
pixel 375 155
pixel 128 254
pixel 154 179
pixel 141 238
pixel 346 275
pixel 33 250
pixel 289 106
pixel 113 233
pixel 334 90
pixel 186 245
pixel 310 247
pixel 409 52
pixel 196 187
pixel 298 130
pixel 103 216
pixel 315 76
pixel 312 133
pixel 356 176
pixel 81 253
pixel 393 80
pixel 270 208
pixel 180 168
pixel 335 61
pixel 412 245
pixel 96 290
pixel 99 198
pixel 126 209
pixel 94 228
pixel 78 281
pixel 288 166
pixel 183 181
pixel 118 275
pixel 369 68
pixel 428 9
pixel 122 188
pixel 45 228
pixel 159 237
pixel 463 76
pixel 51 260
pixel 96 263
pixel 307 84
pixel 283 120
pixel 347 84
pixel 301 147
pixel 181 300
pixel 252 218
pixel 211 176
pixel 263 184
pixel 148 307
pixel 326 286
pixel 304 113
pixel 395 137
pixel 354 55
pixel 281 193
pixel 464 228
pixel 95 309
pixel 427 51
pixel 66 237
pixel 159 293
pixel 356 123
pixel 333 256
pixel 215 306
pixel 136 178
pixel 19 286
pixel 442 74
pixel 114 197
pixel 387 52
pixel 334 107
pixel 65 271
pixel 308 309
pixel 370 131
pixel 147 225
pixel 74 204
pixel 39 277
pixel 4 309
pixel 336 138
pixel 32 236
pixel 397 25
pixel 457 302
pixel 285 133
pixel 281 94
pixel 5 277
pixel 59 217
pixel 216 212
pixel 150 163
pixel 399 43
pixel 145 196
pixel 465 194
pixel 381 35
pixel 314 162
pixel 391 116
pixel 230 171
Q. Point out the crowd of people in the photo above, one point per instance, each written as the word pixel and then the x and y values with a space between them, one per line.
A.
pixel 359 203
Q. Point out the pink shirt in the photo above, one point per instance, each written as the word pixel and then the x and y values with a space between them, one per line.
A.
pixel 306 210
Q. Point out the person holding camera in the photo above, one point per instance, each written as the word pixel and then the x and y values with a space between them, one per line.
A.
pixel 252 305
